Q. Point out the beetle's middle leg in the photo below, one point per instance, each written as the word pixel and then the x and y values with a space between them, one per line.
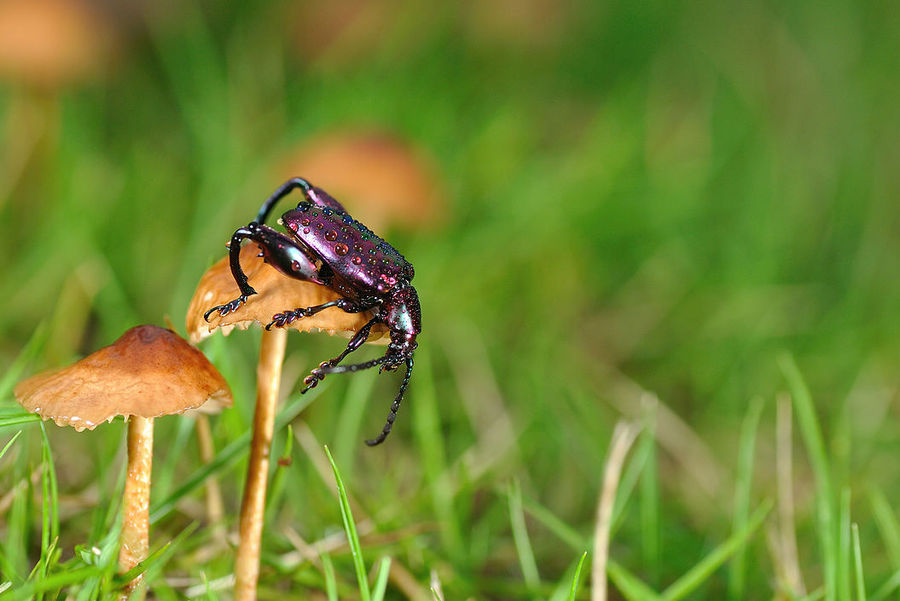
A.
pixel 279 320
pixel 278 250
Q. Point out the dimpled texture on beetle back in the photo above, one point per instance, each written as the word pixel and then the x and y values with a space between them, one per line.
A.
pixel 362 261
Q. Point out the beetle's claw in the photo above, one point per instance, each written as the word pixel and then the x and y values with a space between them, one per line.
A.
pixel 316 376
pixel 311 380
pixel 279 320
pixel 229 307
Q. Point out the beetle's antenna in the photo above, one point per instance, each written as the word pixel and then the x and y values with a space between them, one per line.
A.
pixel 394 407
pixel 284 190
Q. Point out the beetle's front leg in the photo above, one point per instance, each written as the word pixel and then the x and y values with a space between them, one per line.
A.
pixel 278 250
pixel 234 252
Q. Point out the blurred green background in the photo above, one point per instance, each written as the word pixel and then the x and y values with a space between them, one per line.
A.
pixel 611 201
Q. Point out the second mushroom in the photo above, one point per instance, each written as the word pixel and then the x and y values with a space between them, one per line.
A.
pixel 147 373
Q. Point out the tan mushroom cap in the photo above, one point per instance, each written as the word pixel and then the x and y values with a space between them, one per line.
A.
pixel 148 372
pixel 51 42
pixel 390 182
pixel 276 293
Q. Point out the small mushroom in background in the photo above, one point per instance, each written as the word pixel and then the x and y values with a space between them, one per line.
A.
pixel 45 46
pixel 383 180
pixel 51 43
pixel 147 373
pixel 335 34
pixel 275 293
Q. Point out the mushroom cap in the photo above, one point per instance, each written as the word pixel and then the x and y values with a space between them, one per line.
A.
pixel 391 182
pixel 276 293
pixel 51 42
pixel 148 372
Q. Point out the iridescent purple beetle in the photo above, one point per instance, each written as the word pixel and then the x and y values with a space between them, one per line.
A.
pixel 328 247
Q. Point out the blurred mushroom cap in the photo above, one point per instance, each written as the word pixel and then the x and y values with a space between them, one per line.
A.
pixel 381 179
pixel 276 293
pixel 148 372
pixel 51 42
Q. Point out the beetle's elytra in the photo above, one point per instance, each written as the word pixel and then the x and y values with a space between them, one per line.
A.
pixel 327 246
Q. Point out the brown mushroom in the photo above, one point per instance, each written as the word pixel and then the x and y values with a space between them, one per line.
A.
pixel 48 43
pixel 391 181
pixel 275 293
pixel 147 373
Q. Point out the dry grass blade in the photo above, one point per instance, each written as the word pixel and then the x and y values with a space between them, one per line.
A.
pixel 215 507
pixel 623 437
pixel 787 543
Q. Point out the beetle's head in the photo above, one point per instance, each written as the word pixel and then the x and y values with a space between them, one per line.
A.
pixel 403 317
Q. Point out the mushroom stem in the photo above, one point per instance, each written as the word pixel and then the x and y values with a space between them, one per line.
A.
pixel 135 538
pixel 268 378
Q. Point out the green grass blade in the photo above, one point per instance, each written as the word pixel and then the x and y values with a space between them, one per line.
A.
pixel 52 582
pixel 817 594
pixel 569 581
pixel 381 579
pixel 15 540
pixel 19 419
pixel 709 564
pixel 890 585
pixel 845 570
pixel 143 566
pixel 742 487
pixel 549 520
pixel 631 587
pixel 49 511
pixel 887 523
pixel 9 444
pixel 328 575
pixel 631 477
pixel 818 457
pixel 648 495
pixel 153 565
pixel 858 565
pixel 50 486
pixel 29 352
pixel 282 466
pixel 430 445
pixel 520 538
pixel 227 456
pixel 577 577
pixel 348 427
pixel 350 529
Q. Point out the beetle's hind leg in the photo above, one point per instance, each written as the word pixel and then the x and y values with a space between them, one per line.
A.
pixel 357 341
pixel 315 195
pixel 386 361
pixel 281 192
